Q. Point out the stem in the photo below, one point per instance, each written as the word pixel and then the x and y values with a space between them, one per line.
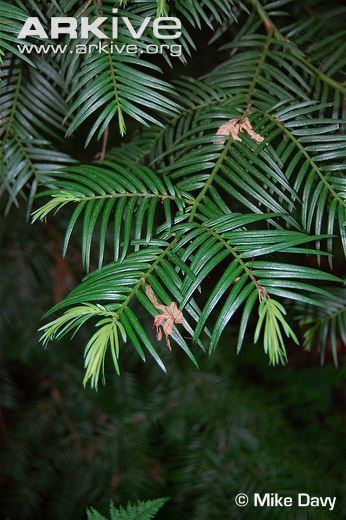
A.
pixel 135 194
pixel 264 16
pixel 261 290
pixel 260 65
pixel 326 79
pixel 14 107
pixel 122 126
pixel 82 11
pixel 249 94
pixel 142 280
pixel 270 26
pixel 210 179
pixel 331 316
pixel 26 156
pixel 104 144
pixel 301 148
pixel 172 121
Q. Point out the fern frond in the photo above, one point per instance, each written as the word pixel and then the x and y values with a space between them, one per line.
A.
pixel 247 163
pixel 325 326
pixel 244 171
pixel 314 155
pixel 196 251
pixel 322 37
pixel 298 140
pixel 33 98
pixel 11 20
pixel 144 510
pixel 133 511
pixel 125 199
pixel 31 105
pixel 117 86
pixel 121 283
pixel 215 240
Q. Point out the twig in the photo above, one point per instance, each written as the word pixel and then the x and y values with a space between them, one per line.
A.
pixel 82 11
pixel 104 144
pixel 270 26
pixel 99 4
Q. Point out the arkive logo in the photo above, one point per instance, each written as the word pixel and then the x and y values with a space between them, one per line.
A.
pixel 163 28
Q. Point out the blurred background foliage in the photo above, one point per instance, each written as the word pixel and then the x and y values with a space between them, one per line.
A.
pixel 199 437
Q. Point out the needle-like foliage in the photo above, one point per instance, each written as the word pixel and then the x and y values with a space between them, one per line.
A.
pixel 11 19
pixel 325 326
pixel 230 207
